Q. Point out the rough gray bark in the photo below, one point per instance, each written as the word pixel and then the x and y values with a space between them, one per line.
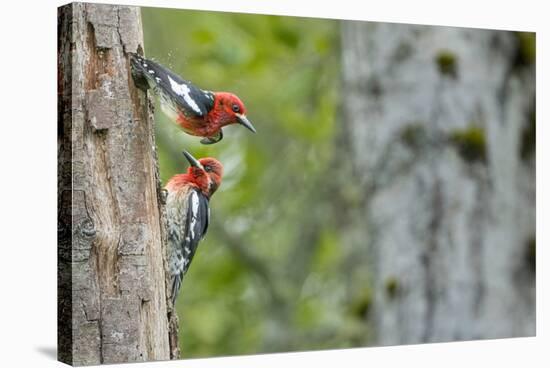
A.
pixel 440 131
pixel 111 283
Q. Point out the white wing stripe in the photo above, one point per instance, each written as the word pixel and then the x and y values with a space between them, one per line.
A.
pixel 194 213
pixel 183 90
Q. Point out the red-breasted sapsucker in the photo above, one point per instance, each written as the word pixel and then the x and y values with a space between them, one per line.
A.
pixel 188 213
pixel 196 111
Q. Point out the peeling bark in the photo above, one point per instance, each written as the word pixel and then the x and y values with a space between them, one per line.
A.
pixel 111 283
pixel 434 120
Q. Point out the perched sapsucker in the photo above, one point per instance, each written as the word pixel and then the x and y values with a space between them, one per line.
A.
pixel 188 213
pixel 196 111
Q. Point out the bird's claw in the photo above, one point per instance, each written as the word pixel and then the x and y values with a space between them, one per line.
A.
pixel 163 196
pixel 212 140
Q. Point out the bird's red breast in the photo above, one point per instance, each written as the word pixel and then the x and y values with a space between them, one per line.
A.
pixel 202 127
pixel 226 106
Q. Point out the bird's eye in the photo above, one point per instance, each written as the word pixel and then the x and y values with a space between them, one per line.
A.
pixel 235 108
pixel 208 168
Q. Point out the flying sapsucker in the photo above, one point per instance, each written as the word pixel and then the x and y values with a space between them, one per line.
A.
pixel 198 112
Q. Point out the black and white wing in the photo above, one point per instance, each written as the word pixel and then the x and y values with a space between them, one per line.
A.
pixel 171 87
pixel 187 225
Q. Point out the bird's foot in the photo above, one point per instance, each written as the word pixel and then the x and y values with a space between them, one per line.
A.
pixel 214 139
pixel 163 196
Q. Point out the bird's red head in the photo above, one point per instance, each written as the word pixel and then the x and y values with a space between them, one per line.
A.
pixel 229 109
pixel 214 170
pixel 204 174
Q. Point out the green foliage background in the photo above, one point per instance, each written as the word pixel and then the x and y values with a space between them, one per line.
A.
pixel 271 273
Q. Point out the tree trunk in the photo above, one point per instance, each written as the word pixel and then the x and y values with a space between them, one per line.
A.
pixel 111 283
pixel 440 128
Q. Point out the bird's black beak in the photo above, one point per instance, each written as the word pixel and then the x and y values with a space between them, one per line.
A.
pixel 241 119
pixel 192 161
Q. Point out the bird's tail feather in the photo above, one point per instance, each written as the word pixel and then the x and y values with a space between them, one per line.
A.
pixel 176 284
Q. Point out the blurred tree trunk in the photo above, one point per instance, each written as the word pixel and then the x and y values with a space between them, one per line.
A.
pixel 111 278
pixel 440 130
